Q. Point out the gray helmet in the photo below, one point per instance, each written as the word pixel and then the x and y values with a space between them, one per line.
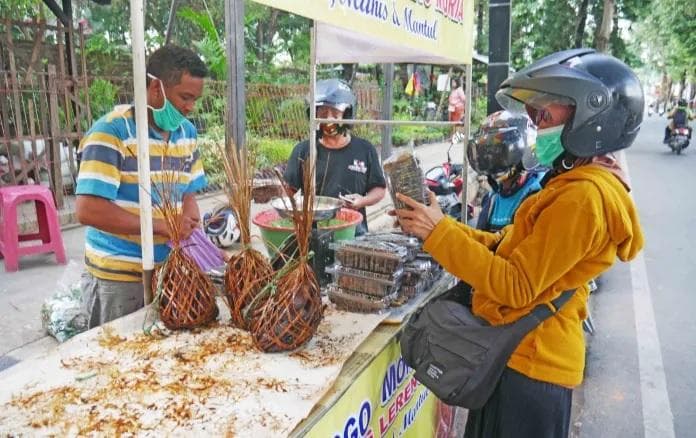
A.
pixel 337 94
pixel 605 93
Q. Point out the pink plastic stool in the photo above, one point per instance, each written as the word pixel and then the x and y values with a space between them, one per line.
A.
pixel 47 218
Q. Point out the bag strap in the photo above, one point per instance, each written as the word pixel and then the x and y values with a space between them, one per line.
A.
pixel 543 311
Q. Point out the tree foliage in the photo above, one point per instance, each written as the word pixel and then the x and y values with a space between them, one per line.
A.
pixel 668 36
pixel 541 27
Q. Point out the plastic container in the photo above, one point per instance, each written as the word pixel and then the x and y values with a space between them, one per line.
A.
pixel 412 244
pixel 358 302
pixel 391 277
pixel 410 291
pixel 378 257
pixel 364 282
pixel 405 176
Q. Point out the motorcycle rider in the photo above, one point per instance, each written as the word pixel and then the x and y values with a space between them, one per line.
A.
pixel 680 117
pixel 347 166
pixel 585 105
pixel 500 150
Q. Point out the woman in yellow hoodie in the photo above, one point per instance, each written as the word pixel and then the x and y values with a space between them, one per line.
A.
pixel 586 105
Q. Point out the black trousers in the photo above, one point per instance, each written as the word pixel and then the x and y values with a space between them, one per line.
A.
pixel 522 407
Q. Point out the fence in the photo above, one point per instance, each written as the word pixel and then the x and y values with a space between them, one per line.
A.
pixel 42 105
pixel 272 111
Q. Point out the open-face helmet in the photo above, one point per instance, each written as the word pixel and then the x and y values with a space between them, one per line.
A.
pixel 606 96
pixel 337 94
pixel 221 227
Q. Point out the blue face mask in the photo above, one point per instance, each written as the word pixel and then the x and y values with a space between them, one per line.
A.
pixel 167 118
pixel 548 145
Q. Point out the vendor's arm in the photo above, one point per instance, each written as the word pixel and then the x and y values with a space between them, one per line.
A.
pixel 103 214
pixel 372 197
pixel 534 265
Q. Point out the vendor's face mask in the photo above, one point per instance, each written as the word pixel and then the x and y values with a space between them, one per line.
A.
pixel 548 145
pixel 327 112
pixel 167 118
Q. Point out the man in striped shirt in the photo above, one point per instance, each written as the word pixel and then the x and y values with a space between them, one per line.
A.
pixel 107 183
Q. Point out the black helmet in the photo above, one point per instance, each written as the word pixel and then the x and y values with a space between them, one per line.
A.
pixel 606 95
pixel 337 94
pixel 501 143
pixel 681 102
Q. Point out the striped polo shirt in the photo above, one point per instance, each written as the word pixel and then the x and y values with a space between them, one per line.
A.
pixel 109 169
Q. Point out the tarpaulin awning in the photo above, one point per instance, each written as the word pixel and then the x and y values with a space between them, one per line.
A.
pixel 391 31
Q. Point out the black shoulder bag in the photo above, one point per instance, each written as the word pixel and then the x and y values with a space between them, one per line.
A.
pixel 458 356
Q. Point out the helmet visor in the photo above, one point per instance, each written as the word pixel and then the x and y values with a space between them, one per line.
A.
pixel 342 107
pixel 534 103
pixel 496 151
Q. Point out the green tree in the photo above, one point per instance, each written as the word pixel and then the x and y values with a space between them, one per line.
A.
pixel 668 36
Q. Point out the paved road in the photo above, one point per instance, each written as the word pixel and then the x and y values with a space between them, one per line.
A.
pixel 640 378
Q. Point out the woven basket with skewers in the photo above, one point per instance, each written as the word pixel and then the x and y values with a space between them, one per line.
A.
pixel 293 310
pixel 184 294
pixel 247 271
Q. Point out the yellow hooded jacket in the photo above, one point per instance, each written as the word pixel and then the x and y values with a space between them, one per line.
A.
pixel 564 235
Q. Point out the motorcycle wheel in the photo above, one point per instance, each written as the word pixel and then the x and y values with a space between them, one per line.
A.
pixel 679 151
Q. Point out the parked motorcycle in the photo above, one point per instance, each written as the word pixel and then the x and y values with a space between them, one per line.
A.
pixel 447 183
pixel 679 140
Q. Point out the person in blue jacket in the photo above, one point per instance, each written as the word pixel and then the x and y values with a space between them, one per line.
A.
pixel 501 150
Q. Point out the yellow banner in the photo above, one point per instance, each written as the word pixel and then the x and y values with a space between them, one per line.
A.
pixel 384 401
pixel 443 28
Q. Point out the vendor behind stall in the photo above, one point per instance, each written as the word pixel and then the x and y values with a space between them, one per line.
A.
pixel 347 166
pixel 107 184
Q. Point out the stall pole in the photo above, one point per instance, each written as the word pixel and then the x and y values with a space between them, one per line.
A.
pixel 141 130
pixel 387 110
pixel 498 49
pixel 312 107
pixel 235 117
pixel 467 134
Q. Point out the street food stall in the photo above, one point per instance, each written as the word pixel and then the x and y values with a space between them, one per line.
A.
pixel 348 380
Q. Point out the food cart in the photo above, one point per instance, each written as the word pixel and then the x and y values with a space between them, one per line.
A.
pixel 348 381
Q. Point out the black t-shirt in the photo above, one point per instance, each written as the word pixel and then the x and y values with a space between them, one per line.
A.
pixel 354 168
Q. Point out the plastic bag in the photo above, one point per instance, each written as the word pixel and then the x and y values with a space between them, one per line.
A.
pixel 61 314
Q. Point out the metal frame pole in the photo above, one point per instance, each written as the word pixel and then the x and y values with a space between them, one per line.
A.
pixel 387 112
pixel 467 134
pixel 498 49
pixel 235 119
pixel 141 128
pixel 312 107
pixel 380 122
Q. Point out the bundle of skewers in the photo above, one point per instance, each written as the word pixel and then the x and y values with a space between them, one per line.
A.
pixel 292 308
pixel 184 295
pixel 247 271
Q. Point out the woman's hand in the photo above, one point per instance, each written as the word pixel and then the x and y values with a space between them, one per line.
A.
pixel 420 220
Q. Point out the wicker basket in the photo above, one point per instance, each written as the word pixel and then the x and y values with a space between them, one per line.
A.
pixel 289 318
pixel 246 275
pixel 186 295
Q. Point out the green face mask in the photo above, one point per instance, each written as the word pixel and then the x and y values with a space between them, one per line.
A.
pixel 548 145
pixel 167 118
